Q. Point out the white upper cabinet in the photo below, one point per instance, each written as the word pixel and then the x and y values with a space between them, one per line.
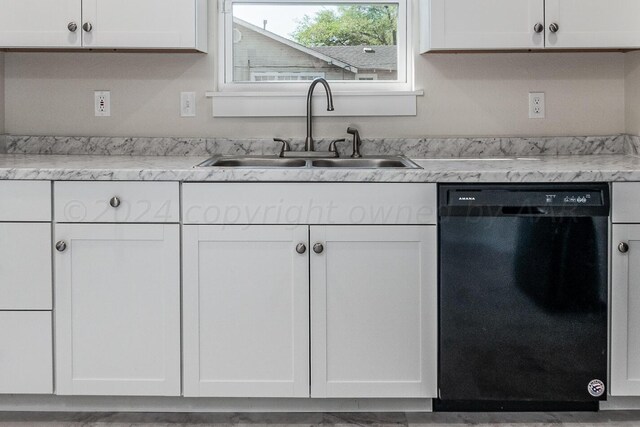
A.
pixel 482 24
pixel 593 24
pixel 373 311
pixel 458 25
pixel 40 23
pixel 144 24
pixel 104 24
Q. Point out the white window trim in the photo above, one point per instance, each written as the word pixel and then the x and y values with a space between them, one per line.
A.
pixel 278 99
pixel 293 104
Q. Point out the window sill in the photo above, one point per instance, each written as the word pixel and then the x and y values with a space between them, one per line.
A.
pixel 286 104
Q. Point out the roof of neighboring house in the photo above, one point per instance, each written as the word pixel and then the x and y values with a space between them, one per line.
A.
pixel 348 57
pixel 383 57
pixel 315 53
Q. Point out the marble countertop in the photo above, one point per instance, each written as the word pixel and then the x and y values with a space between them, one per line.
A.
pixel 576 168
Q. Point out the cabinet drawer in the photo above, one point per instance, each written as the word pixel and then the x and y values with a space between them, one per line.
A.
pixel 625 202
pixel 26 352
pixel 25 266
pixel 309 203
pixel 25 200
pixel 130 202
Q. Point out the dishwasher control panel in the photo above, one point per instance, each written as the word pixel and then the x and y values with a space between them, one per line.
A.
pixel 524 198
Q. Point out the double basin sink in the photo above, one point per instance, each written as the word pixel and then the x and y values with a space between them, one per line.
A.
pixel 378 162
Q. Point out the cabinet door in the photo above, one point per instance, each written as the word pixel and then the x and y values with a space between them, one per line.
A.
pixel 593 23
pixel 481 24
pixel 39 23
pixel 25 266
pixel 373 311
pixel 246 311
pixel 625 311
pixel 140 24
pixel 117 324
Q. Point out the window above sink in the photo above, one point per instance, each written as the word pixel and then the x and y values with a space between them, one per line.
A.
pixel 271 50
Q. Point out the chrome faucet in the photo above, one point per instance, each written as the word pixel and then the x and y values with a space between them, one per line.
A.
pixel 308 143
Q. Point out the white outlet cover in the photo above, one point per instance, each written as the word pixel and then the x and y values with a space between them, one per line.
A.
pixel 536 105
pixel 102 103
pixel 187 104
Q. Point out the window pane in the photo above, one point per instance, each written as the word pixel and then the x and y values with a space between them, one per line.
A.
pixel 298 42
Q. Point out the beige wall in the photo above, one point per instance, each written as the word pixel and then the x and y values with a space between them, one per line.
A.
pixel 465 94
pixel 632 93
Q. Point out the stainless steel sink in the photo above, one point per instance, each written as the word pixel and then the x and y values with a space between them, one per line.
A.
pixel 254 162
pixel 366 163
pixel 380 162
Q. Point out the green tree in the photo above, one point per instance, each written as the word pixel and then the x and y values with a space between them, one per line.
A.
pixel 352 25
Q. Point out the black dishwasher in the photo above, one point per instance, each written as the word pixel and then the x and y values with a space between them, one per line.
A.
pixel 522 297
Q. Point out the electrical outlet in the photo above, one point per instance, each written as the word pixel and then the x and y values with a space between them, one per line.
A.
pixel 536 105
pixel 187 104
pixel 102 103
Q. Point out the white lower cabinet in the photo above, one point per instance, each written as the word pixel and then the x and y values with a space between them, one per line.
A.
pixel 117 314
pixel 373 311
pixel 246 311
pixel 26 354
pixel 625 310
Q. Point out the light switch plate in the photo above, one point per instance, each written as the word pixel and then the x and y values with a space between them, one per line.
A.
pixel 187 104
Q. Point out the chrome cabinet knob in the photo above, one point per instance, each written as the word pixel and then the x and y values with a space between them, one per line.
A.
pixel 318 248
pixel 61 246
pixel 554 28
pixel 623 247
pixel 87 27
pixel 115 202
pixel 72 27
pixel 538 28
pixel 301 248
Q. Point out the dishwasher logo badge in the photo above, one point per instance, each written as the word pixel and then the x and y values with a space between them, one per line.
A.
pixel 596 388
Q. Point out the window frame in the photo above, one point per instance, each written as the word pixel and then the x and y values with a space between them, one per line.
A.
pixel 225 53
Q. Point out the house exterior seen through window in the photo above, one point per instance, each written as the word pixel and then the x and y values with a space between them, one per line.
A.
pixel 297 42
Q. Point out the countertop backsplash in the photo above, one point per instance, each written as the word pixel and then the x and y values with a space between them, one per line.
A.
pixel 416 148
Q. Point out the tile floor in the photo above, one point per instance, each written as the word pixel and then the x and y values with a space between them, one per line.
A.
pixel 572 419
